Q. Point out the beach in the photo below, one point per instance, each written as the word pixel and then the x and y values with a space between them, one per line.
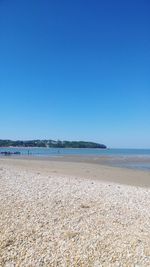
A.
pixel 62 212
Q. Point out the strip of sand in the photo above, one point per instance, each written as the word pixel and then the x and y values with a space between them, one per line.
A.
pixel 73 214
pixel 85 167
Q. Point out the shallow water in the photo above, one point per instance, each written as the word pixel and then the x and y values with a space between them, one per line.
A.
pixel 129 158
pixel 79 151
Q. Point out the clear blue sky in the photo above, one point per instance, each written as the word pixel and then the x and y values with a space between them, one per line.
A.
pixel 76 70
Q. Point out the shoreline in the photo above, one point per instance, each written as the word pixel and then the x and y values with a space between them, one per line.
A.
pixel 120 160
pixel 81 167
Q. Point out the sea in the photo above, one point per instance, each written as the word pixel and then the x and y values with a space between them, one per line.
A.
pixel 129 158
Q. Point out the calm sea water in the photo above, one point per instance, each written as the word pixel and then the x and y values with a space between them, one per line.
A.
pixel 127 156
pixel 81 151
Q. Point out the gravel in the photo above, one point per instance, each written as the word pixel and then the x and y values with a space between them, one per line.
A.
pixel 53 220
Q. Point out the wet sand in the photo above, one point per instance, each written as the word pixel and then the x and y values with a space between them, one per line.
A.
pixel 83 166
pixel 64 213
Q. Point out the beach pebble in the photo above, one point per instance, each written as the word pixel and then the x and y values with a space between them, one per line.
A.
pixel 60 220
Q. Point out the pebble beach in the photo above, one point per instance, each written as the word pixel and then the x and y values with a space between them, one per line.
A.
pixel 72 216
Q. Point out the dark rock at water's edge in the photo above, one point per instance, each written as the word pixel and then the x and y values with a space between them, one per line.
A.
pixel 8 153
pixel 51 143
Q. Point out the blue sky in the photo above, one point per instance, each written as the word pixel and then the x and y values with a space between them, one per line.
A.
pixel 75 70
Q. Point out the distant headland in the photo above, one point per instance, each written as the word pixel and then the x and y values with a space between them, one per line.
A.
pixel 51 143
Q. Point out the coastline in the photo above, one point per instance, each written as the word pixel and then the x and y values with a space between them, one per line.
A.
pixel 98 168
pixel 58 213
pixel 124 158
